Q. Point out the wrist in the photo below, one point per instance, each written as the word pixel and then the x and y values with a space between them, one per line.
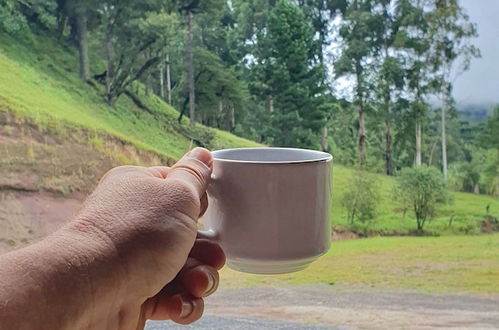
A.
pixel 50 280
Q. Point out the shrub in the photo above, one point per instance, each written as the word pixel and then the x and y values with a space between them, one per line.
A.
pixel 421 189
pixel 361 198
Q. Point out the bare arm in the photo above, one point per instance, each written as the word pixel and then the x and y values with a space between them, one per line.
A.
pixel 130 255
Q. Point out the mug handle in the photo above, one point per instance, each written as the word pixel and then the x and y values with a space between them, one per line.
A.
pixel 209 234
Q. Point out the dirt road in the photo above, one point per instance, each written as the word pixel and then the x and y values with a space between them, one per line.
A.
pixel 356 307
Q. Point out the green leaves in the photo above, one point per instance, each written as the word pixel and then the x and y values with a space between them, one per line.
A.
pixel 421 189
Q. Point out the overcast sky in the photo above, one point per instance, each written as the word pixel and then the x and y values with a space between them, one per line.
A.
pixel 481 83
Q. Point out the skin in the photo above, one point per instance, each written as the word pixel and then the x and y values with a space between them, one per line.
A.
pixel 130 255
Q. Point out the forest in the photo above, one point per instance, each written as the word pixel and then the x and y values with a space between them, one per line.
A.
pixel 370 81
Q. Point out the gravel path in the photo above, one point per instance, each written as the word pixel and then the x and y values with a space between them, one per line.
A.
pixel 232 323
pixel 343 307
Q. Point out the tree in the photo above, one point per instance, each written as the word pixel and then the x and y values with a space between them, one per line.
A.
pixel 293 78
pixel 361 198
pixel 413 42
pixel 489 137
pixel 321 13
pixel 389 78
pixel 421 189
pixel 360 34
pixel 189 7
pixel 135 38
pixel 11 18
pixel 450 31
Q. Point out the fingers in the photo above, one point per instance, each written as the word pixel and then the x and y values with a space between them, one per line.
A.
pixel 180 308
pixel 194 170
pixel 208 253
pixel 200 281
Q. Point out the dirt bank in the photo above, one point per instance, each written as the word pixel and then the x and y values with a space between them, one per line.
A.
pixel 46 172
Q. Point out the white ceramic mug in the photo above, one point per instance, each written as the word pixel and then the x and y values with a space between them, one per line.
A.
pixel 269 208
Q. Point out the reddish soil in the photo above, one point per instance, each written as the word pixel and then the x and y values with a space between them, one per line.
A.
pixel 45 174
pixel 27 216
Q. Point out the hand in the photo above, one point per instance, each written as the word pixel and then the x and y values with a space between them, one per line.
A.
pixel 140 224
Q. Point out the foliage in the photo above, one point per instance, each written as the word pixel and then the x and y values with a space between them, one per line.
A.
pixel 11 18
pixel 267 70
pixel 361 197
pixel 489 137
pixel 421 189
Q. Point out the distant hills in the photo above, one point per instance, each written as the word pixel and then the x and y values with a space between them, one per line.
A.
pixel 475 113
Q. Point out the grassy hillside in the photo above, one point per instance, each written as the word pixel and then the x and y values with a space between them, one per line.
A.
pixel 466 210
pixel 448 264
pixel 39 80
pixel 39 83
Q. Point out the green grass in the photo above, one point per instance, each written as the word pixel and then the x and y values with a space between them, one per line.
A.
pixel 427 264
pixel 39 80
pixel 466 209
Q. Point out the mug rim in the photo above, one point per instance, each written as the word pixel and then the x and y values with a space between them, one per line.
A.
pixel 323 156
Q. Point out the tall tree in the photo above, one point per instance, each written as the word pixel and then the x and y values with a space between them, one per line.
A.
pixel 413 42
pixel 360 33
pixel 77 13
pixel 135 35
pixel 450 33
pixel 321 13
pixel 389 77
pixel 190 7
pixel 80 13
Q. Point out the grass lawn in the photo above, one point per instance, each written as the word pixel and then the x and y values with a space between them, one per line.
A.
pixel 427 264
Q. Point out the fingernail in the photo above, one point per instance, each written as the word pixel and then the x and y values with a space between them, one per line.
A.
pixel 212 285
pixel 202 155
pixel 187 307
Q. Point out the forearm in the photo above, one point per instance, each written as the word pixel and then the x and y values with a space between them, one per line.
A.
pixel 52 284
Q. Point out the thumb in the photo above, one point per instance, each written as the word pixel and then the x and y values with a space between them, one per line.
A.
pixel 194 170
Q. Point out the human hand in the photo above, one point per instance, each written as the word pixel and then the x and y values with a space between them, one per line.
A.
pixel 137 235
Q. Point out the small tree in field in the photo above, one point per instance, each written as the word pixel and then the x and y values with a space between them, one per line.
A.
pixel 361 198
pixel 421 189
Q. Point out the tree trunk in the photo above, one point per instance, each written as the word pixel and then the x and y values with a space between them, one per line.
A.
pixel 388 140
pixel 324 138
pixel 81 25
pixel 162 81
pixel 110 65
pixel 232 117
pixel 362 135
pixel 418 143
pixel 432 151
pixel 220 114
pixel 362 119
pixel 271 104
pixel 168 80
pixel 388 146
pixel 444 139
pixel 190 71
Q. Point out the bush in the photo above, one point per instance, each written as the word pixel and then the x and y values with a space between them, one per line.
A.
pixel 421 189
pixel 361 198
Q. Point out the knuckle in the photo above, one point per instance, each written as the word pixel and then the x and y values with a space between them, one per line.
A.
pixel 119 171
pixel 194 169
pixel 185 194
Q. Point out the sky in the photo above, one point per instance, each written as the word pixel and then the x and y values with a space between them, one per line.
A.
pixel 481 83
